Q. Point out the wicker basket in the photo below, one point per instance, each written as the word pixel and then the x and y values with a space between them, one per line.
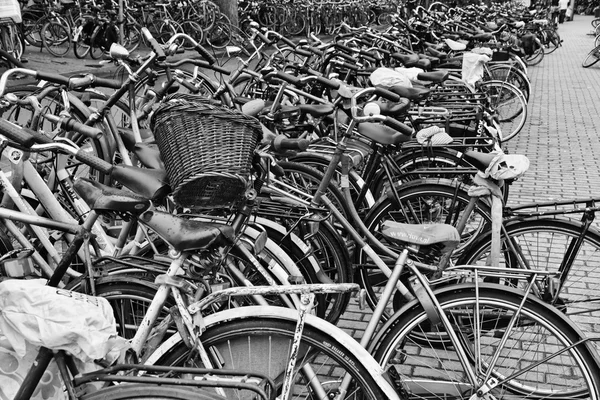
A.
pixel 207 150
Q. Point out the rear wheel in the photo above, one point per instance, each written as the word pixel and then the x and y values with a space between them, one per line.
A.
pixel 262 345
pixel 56 38
pixel 551 245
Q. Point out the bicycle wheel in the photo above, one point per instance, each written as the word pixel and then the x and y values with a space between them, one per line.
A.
pixel 512 75
pixel 151 392
pixel 56 38
pixel 597 41
pixel 81 42
pixel 132 37
pixel 32 25
pixel 553 41
pixel 592 58
pixel 97 42
pixel 219 34
pixel 424 363
pixel 551 245
pixel 537 56
pixel 193 29
pixel 509 105
pixel 426 201
pixel 262 345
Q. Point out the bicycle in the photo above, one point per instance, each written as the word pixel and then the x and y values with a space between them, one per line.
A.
pixel 347 354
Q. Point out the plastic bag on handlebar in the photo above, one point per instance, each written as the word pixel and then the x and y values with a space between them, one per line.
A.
pixel 387 77
pixel 506 166
pixel 472 67
pixel 58 319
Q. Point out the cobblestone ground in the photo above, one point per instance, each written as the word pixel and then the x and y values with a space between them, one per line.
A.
pixel 560 138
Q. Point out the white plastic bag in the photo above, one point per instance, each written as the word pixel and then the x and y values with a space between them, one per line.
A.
pixel 472 67
pixel 387 77
pixel 84 326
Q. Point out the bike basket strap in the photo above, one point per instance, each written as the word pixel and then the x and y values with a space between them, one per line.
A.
pixel 206 148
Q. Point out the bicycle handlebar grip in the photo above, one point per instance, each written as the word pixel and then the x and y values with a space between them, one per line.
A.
pixel 222 70
pixel 386 94
pixel 108 83
pixel 287 41
pixel 349 66
pixel 315 51
pixel 399 126
pixel 70 124
pixel 282 143
pixel 345 48
pixel 288 78
pixel 97 163
pixel 346 57
pixel 17 134
pixel 205 54
pixel 302 52
pixel 189 86
pixel 263 38
pixel 54 78
pixel 160 54
pixel 82 82
pixel 328 82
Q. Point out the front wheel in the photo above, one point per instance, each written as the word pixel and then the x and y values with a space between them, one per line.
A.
pixel 592 58
pixel 515 350
pixel 552 245
pixel 509 104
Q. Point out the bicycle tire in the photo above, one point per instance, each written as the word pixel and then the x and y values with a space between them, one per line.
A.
pixel 545 243
pixel 81 42
pixel 509 105
pixel 56 38
pixel 553 41
pixel 537 56
pixel 512 75
pixel 595 22
pixel 193 29
pixel 132 37
pixel 32 24
pixel 96 49
pixel 219 34
pixel 235 340
pixel 597 41
pixel 592 58
pixel 151 392
pixel 410 342
pixel 425 201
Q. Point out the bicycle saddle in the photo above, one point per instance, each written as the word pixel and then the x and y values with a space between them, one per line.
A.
pixel 394 109
pixel 454 45
pixel 433 76
pixel 381 134
pixel 422 235
pixel 187 234
pixel 408 60
pixel 479 160
pixel 105 198
pixel 482 37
